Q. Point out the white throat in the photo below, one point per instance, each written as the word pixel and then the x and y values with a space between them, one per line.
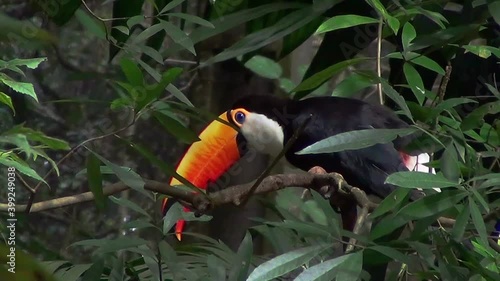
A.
pixel 263 134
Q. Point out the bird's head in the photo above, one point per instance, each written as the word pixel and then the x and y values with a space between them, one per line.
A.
pixel 251 123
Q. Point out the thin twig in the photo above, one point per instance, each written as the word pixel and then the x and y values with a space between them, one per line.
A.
pixel 442 87
pixel 189 83
pixel 176 61
pixel 28 187
pixel 360 221
pixel 379 54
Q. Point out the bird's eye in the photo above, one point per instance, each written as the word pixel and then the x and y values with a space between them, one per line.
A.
pixel 239 117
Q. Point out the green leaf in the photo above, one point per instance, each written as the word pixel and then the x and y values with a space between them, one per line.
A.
pixel 285 263
pixel 153 92
pixel 355 140
pixel 344 21
pixel 264 67
pixel 494 9
pixel 176 128
pixel 118 270
pixel 408 35
pixel 443 37
pixel 415 82
pixel 91 24
pixel 351 268
pixel 193 19
pixel 494 181
pixel 286 84
pixel 241 265
pixel 396 97
pixel 29 63
pixel 168 77
pixel 169 257
pixel 178 36
pixel 152 53
pixel 332 217
pixel 148 32
pixel 227 22
pixel 7 101
pixel 21 142
pixel 351 85
pixel 480 51
pixel 21 167
pixel 20 87
pixel 493 90
pixel 38 136
pixel 127 176
pixel 432 204
pixel 480 200
pixel 178 94
pixel 139 224
pixel 122 29
pixel 424 61
pixel 451 103
pixel 95 180
pixel 460 224
pixel 216 268
pixel 151 262
pixel 326 270
pixel 170 6
pixel 112 245
pixel 254 41
pixel 450 166
pixel 393 23
pixel 390 202
pixel 135 20
pixel 53 266
pixel 129 204
pixel 321 77
pixel 475 119
pixel 425 207
pixel 73 272
pixel 95 271
pixel 391 253
pixel 478 221
pixel 171 217
pixel 419 180
pixel 132 72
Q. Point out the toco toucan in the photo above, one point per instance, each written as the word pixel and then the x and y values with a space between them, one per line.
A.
pixel 266 123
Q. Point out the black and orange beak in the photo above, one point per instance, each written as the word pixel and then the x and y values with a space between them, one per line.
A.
pixel 207 159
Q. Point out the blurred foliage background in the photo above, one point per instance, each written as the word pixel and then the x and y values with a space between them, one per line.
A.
pixel 94 92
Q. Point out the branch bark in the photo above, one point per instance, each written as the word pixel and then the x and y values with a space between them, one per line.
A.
pixel 325 184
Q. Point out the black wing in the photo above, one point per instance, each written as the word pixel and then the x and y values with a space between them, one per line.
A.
pixel 365 168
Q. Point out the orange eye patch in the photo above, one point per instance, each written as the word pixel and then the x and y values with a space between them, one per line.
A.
pixel 238 116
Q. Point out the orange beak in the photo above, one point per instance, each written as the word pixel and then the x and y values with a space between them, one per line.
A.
pixel 206 160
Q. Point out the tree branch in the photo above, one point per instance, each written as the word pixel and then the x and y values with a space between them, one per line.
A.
pixel 198 201
pixel 325 184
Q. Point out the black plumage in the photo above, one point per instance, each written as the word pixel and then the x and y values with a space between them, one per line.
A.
pixel 366 168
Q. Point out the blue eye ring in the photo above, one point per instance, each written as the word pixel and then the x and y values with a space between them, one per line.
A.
pixel 239 117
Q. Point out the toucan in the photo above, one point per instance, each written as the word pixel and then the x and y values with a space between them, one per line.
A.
pixel 266 123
